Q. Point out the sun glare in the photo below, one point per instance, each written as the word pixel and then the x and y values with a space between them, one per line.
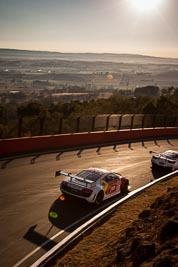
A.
pixel 145 5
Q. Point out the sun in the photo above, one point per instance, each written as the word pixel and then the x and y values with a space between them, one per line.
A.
pixel 145 5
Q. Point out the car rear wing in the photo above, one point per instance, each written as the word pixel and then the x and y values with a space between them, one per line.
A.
pixel 72 176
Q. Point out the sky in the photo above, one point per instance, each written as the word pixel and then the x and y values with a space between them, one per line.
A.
pixel 147 27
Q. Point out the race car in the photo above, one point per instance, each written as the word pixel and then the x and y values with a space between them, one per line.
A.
pixel 93 184
pixel 167 159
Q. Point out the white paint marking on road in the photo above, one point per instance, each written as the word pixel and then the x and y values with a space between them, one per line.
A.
pixel 52 238
pixel 38 248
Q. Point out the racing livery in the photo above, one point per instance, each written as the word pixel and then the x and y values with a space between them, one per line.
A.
pixel 167 159
pixel 93 184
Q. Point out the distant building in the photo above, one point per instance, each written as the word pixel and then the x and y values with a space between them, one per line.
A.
pixel 68 97
pixel 149 90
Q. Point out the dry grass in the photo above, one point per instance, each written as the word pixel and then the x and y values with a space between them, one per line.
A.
pixel 92 250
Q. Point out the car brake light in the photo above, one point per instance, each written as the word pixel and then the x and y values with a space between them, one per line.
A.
pixel 65 183
pixel 62 197
pixel 171 161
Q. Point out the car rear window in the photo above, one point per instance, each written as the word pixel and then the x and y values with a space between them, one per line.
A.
pixel 171 155
pixel 89 175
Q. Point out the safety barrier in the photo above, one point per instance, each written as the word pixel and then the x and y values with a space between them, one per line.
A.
pixel 42 125
pixel 25 145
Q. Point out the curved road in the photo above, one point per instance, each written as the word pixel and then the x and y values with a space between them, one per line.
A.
pixel 29 191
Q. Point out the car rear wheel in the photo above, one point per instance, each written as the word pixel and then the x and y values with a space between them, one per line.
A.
pixel 154 165
pixel 125 187
pixel 99 197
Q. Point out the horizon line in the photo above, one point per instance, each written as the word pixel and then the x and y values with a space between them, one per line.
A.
pixel 99 53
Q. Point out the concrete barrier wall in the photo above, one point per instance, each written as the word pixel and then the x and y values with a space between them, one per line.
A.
pixel 15 146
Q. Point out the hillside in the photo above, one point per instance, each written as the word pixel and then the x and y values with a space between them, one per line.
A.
pixel 106 57
pixel 142 232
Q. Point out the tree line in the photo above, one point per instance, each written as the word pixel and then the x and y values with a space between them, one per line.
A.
pixel 34 114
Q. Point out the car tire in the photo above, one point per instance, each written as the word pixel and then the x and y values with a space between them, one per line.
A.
pixel 153 165
pixel 124 187
pixel 99 197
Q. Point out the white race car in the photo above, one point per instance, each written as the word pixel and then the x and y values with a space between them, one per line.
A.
pixel 167 159
pixel 93 184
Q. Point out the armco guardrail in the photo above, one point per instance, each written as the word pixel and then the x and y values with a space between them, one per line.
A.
pixel 61 246
pixel 15 146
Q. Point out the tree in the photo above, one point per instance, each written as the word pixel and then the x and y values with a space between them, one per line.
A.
pixel 166 106
pixel 30 109
pixel 149 108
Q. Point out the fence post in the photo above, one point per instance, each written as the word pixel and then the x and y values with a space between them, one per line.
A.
pixel 93 123
pixel 20 127
pixel 154 121
pixel 132 121
pixel 143 121
pixel 120 122
pixel 165 120
pixel 42 120
pixel 60 125
pixel 107 122
pixel 77 124
pixel 175 121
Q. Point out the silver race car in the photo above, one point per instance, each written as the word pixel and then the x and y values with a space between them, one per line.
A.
pixel 93 184
pixel 167 159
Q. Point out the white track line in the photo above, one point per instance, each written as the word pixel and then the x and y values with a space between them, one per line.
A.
pixel 38 248
pixel 52 238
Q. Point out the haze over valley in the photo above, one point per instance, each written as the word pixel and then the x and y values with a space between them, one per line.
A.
pixel 35 71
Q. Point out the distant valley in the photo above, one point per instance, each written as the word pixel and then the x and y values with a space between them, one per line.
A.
pixel 31 71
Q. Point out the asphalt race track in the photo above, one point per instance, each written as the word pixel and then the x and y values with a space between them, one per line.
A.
pixel 29 191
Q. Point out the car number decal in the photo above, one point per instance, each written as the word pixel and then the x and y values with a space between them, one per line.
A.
pixel 113 187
